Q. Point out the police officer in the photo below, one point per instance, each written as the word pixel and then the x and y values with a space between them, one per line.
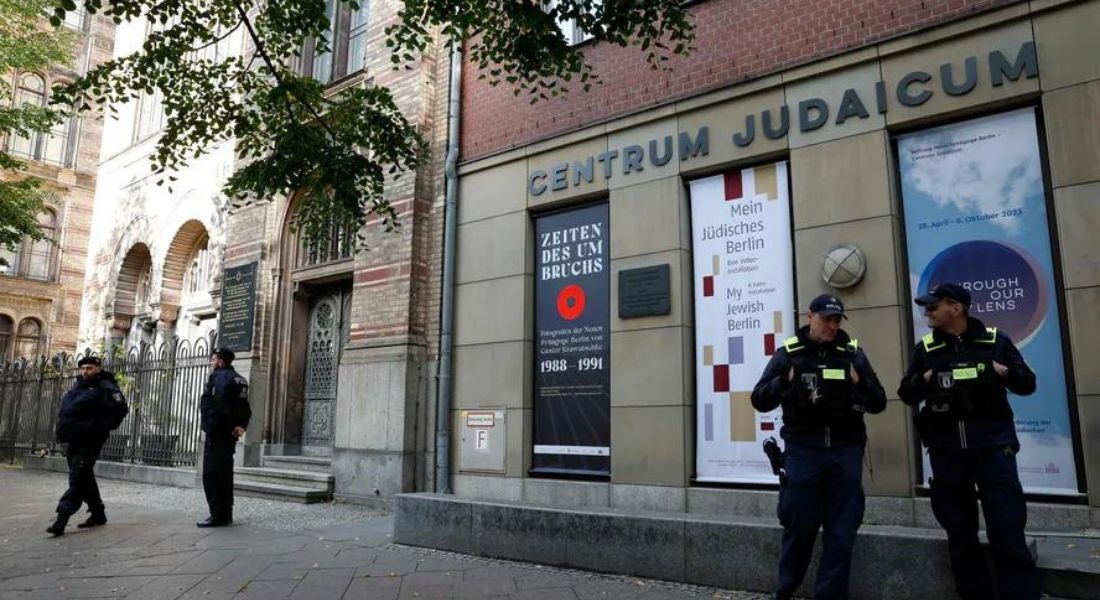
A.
pixel 961 371
pixel 225 415
pixel 825 384
pixel 89 411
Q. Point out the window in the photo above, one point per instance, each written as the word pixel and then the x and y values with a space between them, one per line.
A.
pixel 150 118
pixel 346 37
pixel 74 19
pixel 28 341
pixel 52 146
pixel 572 32
pixel 340 245
pixel 6 330
pixel 33 259
pixel 144 291
pixel 197 279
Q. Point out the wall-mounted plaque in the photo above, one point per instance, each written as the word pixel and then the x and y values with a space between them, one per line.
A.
pixel 644 292
pixel 238 308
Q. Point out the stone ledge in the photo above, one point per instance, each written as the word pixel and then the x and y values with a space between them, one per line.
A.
pixel 176 477
pixel 731 552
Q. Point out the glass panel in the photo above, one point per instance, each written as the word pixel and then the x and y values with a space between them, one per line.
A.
pixel 32 91
pixel 10 258
pixel 6 327
pixel 41 253
pixel 53 150
pixel 357 39
pixel 322 63
pixel 26 345
pixel 75 18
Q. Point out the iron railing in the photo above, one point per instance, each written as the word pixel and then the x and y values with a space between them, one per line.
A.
pixel 162 385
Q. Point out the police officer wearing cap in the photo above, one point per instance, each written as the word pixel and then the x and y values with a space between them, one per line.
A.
pixel 825 384
pixel 962 371
pixel 225 415
pixel 89 411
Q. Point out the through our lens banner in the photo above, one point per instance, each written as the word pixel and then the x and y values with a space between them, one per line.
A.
pixel 744 309
pixel 572 414
pixel 976 215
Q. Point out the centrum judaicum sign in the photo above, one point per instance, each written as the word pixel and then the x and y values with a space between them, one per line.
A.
pixel 238 308
pixel 572 350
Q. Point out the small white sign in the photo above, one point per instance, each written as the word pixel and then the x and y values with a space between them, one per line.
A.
pixel 480 419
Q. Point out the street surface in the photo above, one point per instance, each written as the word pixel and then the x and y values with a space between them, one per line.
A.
pixel 151 550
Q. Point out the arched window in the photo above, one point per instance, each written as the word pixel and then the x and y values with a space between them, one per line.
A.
pixel 340 245
pixel 197 279
pixel 51 146
pixel 7 326
pixel 28 341
pixel 33 259
pixel 40 257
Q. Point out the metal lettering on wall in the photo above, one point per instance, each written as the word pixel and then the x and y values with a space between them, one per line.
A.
pixel 238 308
pixel 808 114
pixel 572 351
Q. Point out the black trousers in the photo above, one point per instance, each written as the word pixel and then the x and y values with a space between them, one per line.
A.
pixel 217 476
pixel 82 485
pixel 992 471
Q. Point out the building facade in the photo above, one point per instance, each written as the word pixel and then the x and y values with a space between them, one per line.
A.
pixel 154 253
pixel 341 343
pixel 40 288
pixel 629 258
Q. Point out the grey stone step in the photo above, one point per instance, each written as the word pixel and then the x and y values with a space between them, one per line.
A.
pixel 309 479
pixel 319 464
pixel 280 491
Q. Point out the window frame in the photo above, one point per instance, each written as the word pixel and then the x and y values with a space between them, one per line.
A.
pixel 20 338
pixel 7 338
pixel 340 34
pixel 20 267
pixel 68 131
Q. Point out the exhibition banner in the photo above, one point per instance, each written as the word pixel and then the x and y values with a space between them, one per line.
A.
pixel 744 309
pixel 976 214
pixel 572 350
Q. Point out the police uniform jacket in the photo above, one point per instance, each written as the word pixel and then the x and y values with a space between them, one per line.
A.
pixel 824 408
pixel 224 404
pixel 965 401
pixel 90 410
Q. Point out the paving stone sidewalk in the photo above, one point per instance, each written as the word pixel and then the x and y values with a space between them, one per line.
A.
pixel 151 550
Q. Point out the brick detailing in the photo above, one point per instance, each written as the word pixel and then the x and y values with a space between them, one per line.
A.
pixel 137 261
pixel 188 239
pixel 736 41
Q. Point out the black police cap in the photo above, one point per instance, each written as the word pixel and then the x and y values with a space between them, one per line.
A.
pixel 827 304
pixel 945 291
pixel 223 353
pixel 88 360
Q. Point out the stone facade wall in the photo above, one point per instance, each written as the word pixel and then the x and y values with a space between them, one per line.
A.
pixel 844 188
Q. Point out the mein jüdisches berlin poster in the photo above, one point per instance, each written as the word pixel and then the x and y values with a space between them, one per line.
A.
pixel 744 309
pixel 975 214
pixel 572 353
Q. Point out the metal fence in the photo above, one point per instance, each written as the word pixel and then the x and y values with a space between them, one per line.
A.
pixel 162 386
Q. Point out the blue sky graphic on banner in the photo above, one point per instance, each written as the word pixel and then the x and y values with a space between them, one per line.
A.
pixel 975 214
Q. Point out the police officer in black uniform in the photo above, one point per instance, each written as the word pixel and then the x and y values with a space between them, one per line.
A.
pixel 825 384
pixel 962 371
pixel 89 411
pixel 225 415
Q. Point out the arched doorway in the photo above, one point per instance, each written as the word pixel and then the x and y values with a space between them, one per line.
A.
pixel 133 288
pixel 314 303
pixel 189 268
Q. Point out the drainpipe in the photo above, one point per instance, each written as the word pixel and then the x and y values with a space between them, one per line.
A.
pixel 443 389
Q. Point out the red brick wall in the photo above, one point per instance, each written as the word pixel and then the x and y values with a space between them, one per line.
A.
pixel 736 40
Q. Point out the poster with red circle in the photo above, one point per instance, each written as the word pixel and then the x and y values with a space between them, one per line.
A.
pixel 572 416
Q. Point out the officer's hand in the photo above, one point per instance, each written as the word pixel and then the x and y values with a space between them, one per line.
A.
pixel 238 432
pixel 928 376
pixel 854 374
pixel 1000 369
